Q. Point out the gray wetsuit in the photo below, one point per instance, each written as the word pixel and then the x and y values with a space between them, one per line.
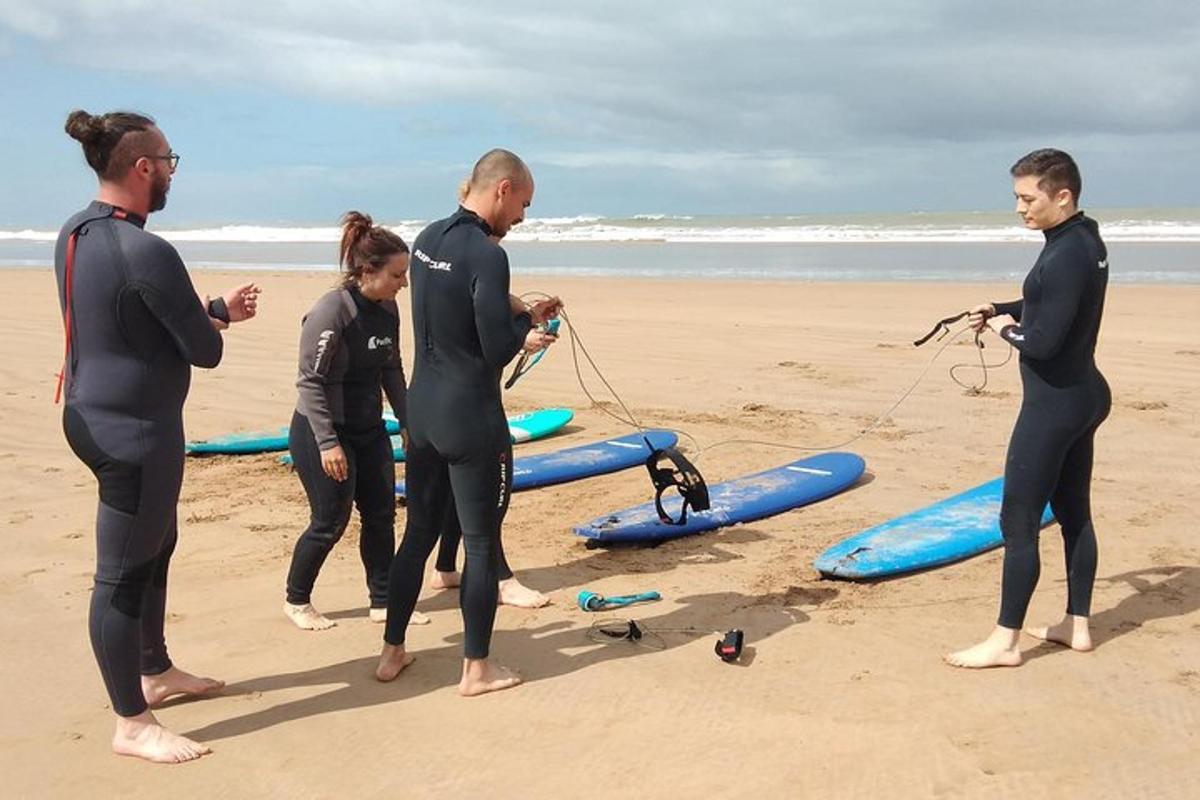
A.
pixel 136 329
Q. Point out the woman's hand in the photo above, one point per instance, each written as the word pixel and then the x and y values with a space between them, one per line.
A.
pixel 333 461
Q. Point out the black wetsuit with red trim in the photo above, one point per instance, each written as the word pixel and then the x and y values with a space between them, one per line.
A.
pixel 136 330
pixel 1065 399
pixel 464 335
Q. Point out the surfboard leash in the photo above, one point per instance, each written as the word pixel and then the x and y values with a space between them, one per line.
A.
pixel 668 468
pixel 948 337
pixel 578 347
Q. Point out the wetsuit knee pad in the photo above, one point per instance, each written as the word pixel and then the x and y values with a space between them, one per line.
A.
pixel 1019 521
pixel 117 544
pixel 120 482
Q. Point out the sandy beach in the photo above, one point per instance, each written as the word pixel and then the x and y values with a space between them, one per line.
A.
pixel 841 692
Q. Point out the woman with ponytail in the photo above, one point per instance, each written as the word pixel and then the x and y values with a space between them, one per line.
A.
pixel 349 352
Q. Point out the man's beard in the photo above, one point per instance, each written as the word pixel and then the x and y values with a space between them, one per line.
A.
pixel 158 195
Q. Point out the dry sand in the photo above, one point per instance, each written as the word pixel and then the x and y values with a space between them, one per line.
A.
pixel 841 693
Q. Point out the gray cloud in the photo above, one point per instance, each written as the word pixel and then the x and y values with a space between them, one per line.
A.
pixel 785 95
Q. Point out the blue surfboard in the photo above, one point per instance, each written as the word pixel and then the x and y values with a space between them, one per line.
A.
pixel 240 444
pixel 950 530
pixel 740 500
pixel 584 461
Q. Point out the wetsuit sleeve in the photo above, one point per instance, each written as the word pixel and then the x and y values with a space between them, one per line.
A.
pixel 394 383
pixel 1013 308
pixel 1064 283
pixel 320 338
pixel 168 293
pixel 501 335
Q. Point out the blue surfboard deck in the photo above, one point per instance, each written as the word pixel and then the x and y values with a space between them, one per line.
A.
pixel 240 444
pixel 740 500
pixel 950 530
pixel 584 461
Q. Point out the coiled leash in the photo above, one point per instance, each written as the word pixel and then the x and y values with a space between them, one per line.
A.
pixel 942 329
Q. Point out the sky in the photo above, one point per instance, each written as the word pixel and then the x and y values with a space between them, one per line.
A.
pixel 293 111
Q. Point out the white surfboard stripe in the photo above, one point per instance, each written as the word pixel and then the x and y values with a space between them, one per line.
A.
pixel 809 470
pixel 625 444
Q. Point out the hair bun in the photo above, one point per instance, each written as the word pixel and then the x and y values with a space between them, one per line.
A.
pixel 84 127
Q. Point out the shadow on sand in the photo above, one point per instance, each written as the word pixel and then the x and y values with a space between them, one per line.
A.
pixel 550 650
pixel 1174 594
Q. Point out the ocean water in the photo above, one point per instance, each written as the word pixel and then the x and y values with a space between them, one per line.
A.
pixel 1145 246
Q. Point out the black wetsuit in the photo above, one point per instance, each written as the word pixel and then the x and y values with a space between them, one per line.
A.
pixel 136 329
pixel 447 557
pixel 349 349
pixel 1065 400
pixel 465 333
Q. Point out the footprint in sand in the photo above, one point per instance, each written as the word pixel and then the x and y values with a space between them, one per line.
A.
pixel 1145 405
pixel 1189 678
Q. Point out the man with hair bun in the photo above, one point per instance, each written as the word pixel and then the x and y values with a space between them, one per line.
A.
pixel 134 328
pixel 465 332
pixel 1054 326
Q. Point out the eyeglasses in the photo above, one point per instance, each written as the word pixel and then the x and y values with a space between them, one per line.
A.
pixel 172 158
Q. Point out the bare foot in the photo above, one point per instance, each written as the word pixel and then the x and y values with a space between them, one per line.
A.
pixel 445 580
pixel 380 615
pixel 306 617
pixel 1072 632
pixel 392 662
pixel 481 676
pixel 998 650
pixel 143 737
pixel 174 682
pixel 513 593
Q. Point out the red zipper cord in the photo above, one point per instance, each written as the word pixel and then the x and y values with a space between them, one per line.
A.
pixel 68 274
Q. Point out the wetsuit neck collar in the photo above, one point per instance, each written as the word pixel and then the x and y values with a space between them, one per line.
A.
pixel 356 293
pixel 466 215
pixel 109 210
pixel 1068 223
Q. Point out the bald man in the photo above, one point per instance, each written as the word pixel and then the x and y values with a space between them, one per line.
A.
pixel 464 333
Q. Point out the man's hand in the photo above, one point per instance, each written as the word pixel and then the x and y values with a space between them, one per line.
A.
pixel 978 316
pixel 242 301
pixel 537 339
pixel 543 310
